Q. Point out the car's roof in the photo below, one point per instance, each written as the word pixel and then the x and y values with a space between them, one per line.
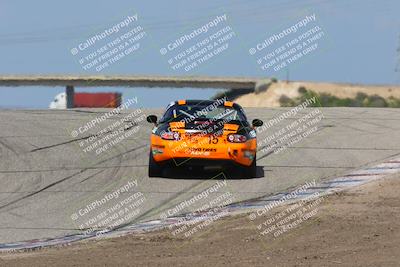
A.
pixel 204 102
pixel 197 102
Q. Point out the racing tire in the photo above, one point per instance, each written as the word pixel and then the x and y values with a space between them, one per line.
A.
pixel 250 171
pixel 155 170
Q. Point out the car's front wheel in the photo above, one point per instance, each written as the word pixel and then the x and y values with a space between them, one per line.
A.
pixel 155 170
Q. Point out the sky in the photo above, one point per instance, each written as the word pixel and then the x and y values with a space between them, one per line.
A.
pixel 359 42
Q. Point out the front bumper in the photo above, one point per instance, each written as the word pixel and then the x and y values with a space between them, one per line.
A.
pixel 183 152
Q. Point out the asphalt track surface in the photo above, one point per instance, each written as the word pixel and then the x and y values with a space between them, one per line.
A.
pixel 46 177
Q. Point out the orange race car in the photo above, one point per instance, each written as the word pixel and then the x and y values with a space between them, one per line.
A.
pixel 201 134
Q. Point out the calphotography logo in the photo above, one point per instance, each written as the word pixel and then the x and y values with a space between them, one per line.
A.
pixel 111 211
pixel 288 46
pixel 109 46
pixel 290 127
pixel 197 47
pixel 126 126
pixel 193 216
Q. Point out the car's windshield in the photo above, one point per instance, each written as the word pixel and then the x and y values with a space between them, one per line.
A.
pixel 190 113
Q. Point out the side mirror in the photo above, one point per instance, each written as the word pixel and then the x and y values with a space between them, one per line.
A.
pixel 152 119
pixel 257 123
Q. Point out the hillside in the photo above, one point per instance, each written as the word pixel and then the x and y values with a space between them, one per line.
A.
pixel 271 97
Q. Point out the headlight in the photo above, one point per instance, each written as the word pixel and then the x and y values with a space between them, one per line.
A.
pixel 170 136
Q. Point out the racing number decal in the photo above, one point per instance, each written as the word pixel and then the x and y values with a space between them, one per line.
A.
pixel 212 139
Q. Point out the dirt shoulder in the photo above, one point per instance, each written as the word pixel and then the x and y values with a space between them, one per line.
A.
pixel 359 227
